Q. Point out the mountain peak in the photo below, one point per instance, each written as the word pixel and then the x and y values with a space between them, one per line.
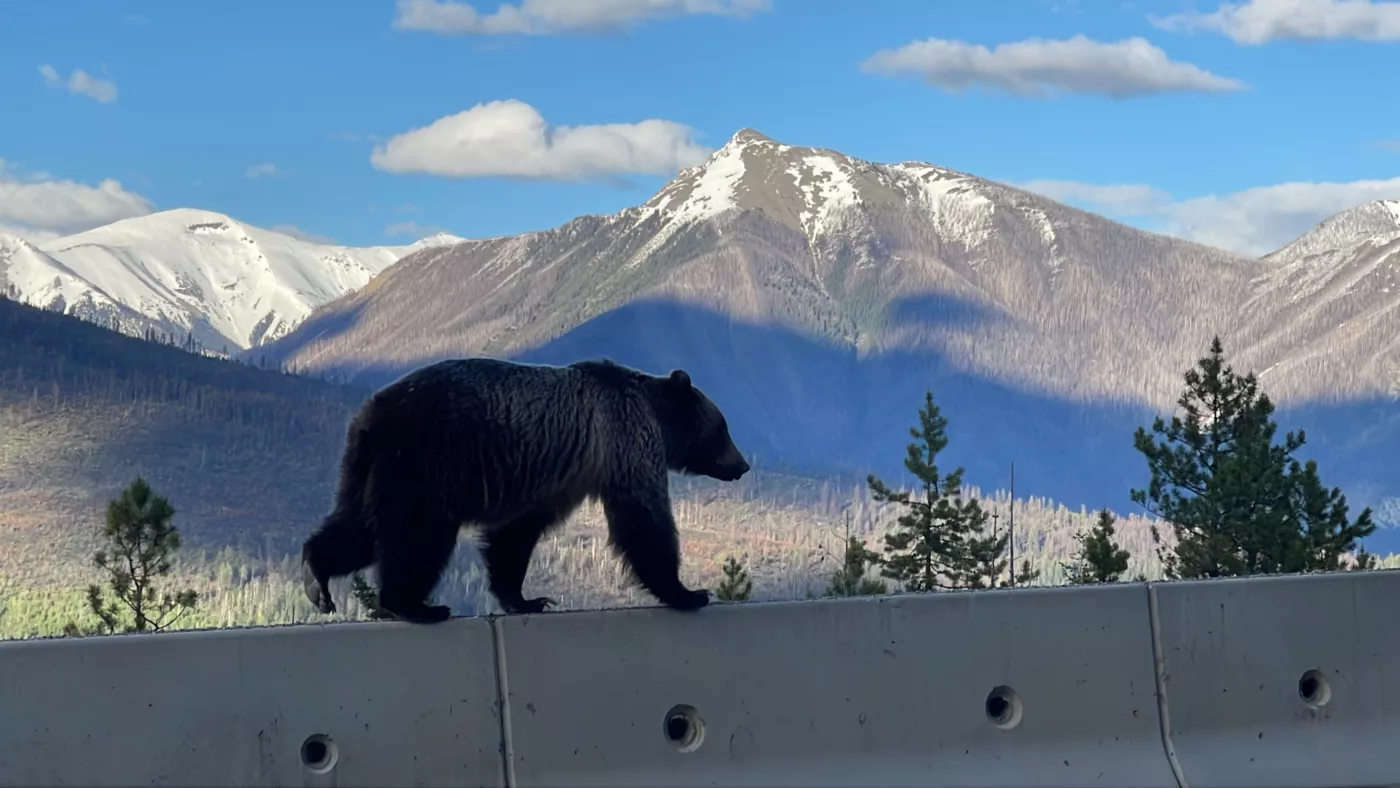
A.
pixel 1372 220
pixel 746 135
pixel 813 190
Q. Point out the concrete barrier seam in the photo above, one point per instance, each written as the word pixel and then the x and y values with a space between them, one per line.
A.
pixel 1164 717
pixel 507 747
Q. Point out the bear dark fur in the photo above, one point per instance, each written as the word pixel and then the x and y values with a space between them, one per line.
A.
pixel 514 449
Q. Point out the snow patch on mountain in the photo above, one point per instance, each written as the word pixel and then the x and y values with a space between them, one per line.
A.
pixel 1356 250
pixel 814 190
pixel 1374 222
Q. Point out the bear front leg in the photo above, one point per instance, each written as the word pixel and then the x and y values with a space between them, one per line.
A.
pixel 643 530
pixel 506 549
pixel 415 553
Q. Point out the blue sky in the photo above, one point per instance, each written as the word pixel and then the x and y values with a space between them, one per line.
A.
pixel 1237 125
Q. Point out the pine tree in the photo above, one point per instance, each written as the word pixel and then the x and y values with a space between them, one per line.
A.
pixel 1025 575
pixel 367 597
pixel 852 578
pixel 736 585
pixel 940 542
pixel 1237 503
pixel 1099 559
pixel 986 561
pixel 142 543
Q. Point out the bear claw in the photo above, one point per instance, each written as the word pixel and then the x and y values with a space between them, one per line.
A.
pixel 316 591
pixel 691 600
pixel 420 614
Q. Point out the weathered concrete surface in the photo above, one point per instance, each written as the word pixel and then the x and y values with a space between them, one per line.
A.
pixel 859 692
pixel 1235 652
pixel 403 705
pixel 864 692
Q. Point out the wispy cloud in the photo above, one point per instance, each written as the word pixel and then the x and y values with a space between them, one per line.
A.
pixel 1253 221
pixel 413 230
pixel 256 171
pixel 511 139
pixel 302 235
pixel 1260 21
pixel 547 17
pixel 1038 67
pixel 103 91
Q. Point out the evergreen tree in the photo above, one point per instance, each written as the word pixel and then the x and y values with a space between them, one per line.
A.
pixel 1025 575
pixel 736 585
pixel 986 561
pixel 1237 503
pixel 852 579
pixel 142 543
pixel 1363 561
pixel 367 597
pixel 1099 559
pixel 940 541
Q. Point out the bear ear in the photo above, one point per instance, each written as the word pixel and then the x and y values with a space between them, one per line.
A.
pixel 680 379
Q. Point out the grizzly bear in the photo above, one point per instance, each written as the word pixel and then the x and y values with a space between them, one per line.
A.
pixel 513 449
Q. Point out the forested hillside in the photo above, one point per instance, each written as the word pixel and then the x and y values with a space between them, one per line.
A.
pixel 247 457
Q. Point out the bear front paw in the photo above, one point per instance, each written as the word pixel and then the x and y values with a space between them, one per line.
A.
pixel 691 600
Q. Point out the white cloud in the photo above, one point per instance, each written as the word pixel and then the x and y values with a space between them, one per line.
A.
pixel 37 208
pixel 82 83
pixel 302 235
pixel 1037 67
pixel 256 171
pixel 1261 21
pixel 511 139
pixel 30 234
pixel 543 17
pixel 1254 221
pixel 413 230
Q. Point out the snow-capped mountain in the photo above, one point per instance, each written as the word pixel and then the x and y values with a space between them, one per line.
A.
pixel 879 258
pixel 187 270
pixel 819 192
pixel 1324 315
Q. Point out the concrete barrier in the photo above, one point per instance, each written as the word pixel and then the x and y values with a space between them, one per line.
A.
pixel 1283 681
pixel 400 705
pixel 1268 682
pixel 888 691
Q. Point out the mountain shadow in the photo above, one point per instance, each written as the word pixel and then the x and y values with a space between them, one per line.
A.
pixel 822 408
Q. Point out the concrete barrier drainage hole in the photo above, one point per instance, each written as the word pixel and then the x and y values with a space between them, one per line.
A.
pixel 319 753
pixel 1314 689
pixel 1004 707
pixel 683 728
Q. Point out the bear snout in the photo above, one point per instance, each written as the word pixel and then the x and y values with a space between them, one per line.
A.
pixel 734 470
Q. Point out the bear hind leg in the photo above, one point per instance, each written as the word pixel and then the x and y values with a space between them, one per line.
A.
pixel 341 545
pixel 644 532
pixel 506 549
pixel 414 553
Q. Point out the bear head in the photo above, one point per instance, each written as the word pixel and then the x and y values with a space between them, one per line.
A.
pixel 698 442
